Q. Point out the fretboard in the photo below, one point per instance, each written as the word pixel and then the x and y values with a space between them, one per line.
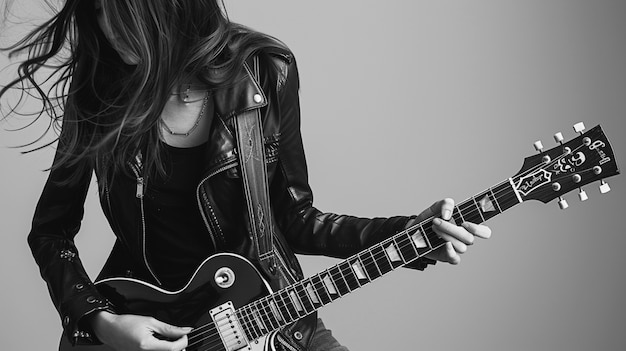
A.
pixel 306 296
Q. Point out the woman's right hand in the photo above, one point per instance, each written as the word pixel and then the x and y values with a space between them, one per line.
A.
pixel 127 332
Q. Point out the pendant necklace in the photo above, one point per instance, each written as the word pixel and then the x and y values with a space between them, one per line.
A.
pixel 195 125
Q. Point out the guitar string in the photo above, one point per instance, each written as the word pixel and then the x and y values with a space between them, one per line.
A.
pixel 393 240
pixel 199 334
pixel 309 280
pixel 216 333
pixel 341 270
pixel 429 236
pixel 334 275
pixel 300 285
pixel 285 308
pixel 321 284
pixel 246 317
pixel 473 212
pixel 267 313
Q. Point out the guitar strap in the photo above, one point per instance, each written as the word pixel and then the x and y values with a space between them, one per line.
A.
pixel 251 153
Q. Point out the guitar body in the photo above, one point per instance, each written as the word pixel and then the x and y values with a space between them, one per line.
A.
pixel 189 306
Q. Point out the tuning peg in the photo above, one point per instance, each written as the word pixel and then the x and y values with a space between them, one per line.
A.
pixel 558 137
pixel 538 146
pixel 579 127
pixel 582 195
pixel 563 203
pixel 604 187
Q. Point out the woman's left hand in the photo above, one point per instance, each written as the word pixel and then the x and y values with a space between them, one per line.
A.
pixel 458 237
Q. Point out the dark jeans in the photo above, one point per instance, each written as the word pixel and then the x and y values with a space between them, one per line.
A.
pixel 323 340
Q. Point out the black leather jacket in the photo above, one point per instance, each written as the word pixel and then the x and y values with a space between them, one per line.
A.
pixel 300 227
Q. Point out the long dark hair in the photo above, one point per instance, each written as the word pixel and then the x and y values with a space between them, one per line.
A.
pixel 110 110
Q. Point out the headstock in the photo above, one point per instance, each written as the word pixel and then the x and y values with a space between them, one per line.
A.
pixel 580 161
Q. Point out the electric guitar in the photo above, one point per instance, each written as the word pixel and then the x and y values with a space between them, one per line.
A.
pixel 233 308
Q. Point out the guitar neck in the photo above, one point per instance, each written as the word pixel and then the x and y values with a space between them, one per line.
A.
pixel 306 296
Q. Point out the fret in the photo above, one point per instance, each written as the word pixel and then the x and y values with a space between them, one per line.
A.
pixel 274 308
pixel 246 323
pixel 289 304
pixel 339 280
pixel 371 268
pixel 252 323
pixel 486 205
pixel 295 300
pixel 329 283
pixel 304 297
pixel 495 200
pixel 256 314
pixel 457 216
pixel 469 212
pixel 267 314
pixel 506 196
pixel 320 289
pixel 407 250
pixel 380 257
pixel 282 308
pixel 434 239
pixel 394 254
pixel 426 238
pixel 312 293
pixel 357 267
pixel 349 276
pixel 480 212
pixel 421 242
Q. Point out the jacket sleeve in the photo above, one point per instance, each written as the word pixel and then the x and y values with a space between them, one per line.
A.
pixel 307 229
pixel 56 221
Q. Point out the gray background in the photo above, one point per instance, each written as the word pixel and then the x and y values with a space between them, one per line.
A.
pixel 406 102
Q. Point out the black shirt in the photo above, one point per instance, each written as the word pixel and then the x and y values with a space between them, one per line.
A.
pixel 176 235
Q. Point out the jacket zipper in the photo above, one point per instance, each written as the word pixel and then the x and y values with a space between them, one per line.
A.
pixel 139 194
pixel 108 198
pixel 202 212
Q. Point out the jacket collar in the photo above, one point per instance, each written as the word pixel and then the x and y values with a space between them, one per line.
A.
pixel 242 95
